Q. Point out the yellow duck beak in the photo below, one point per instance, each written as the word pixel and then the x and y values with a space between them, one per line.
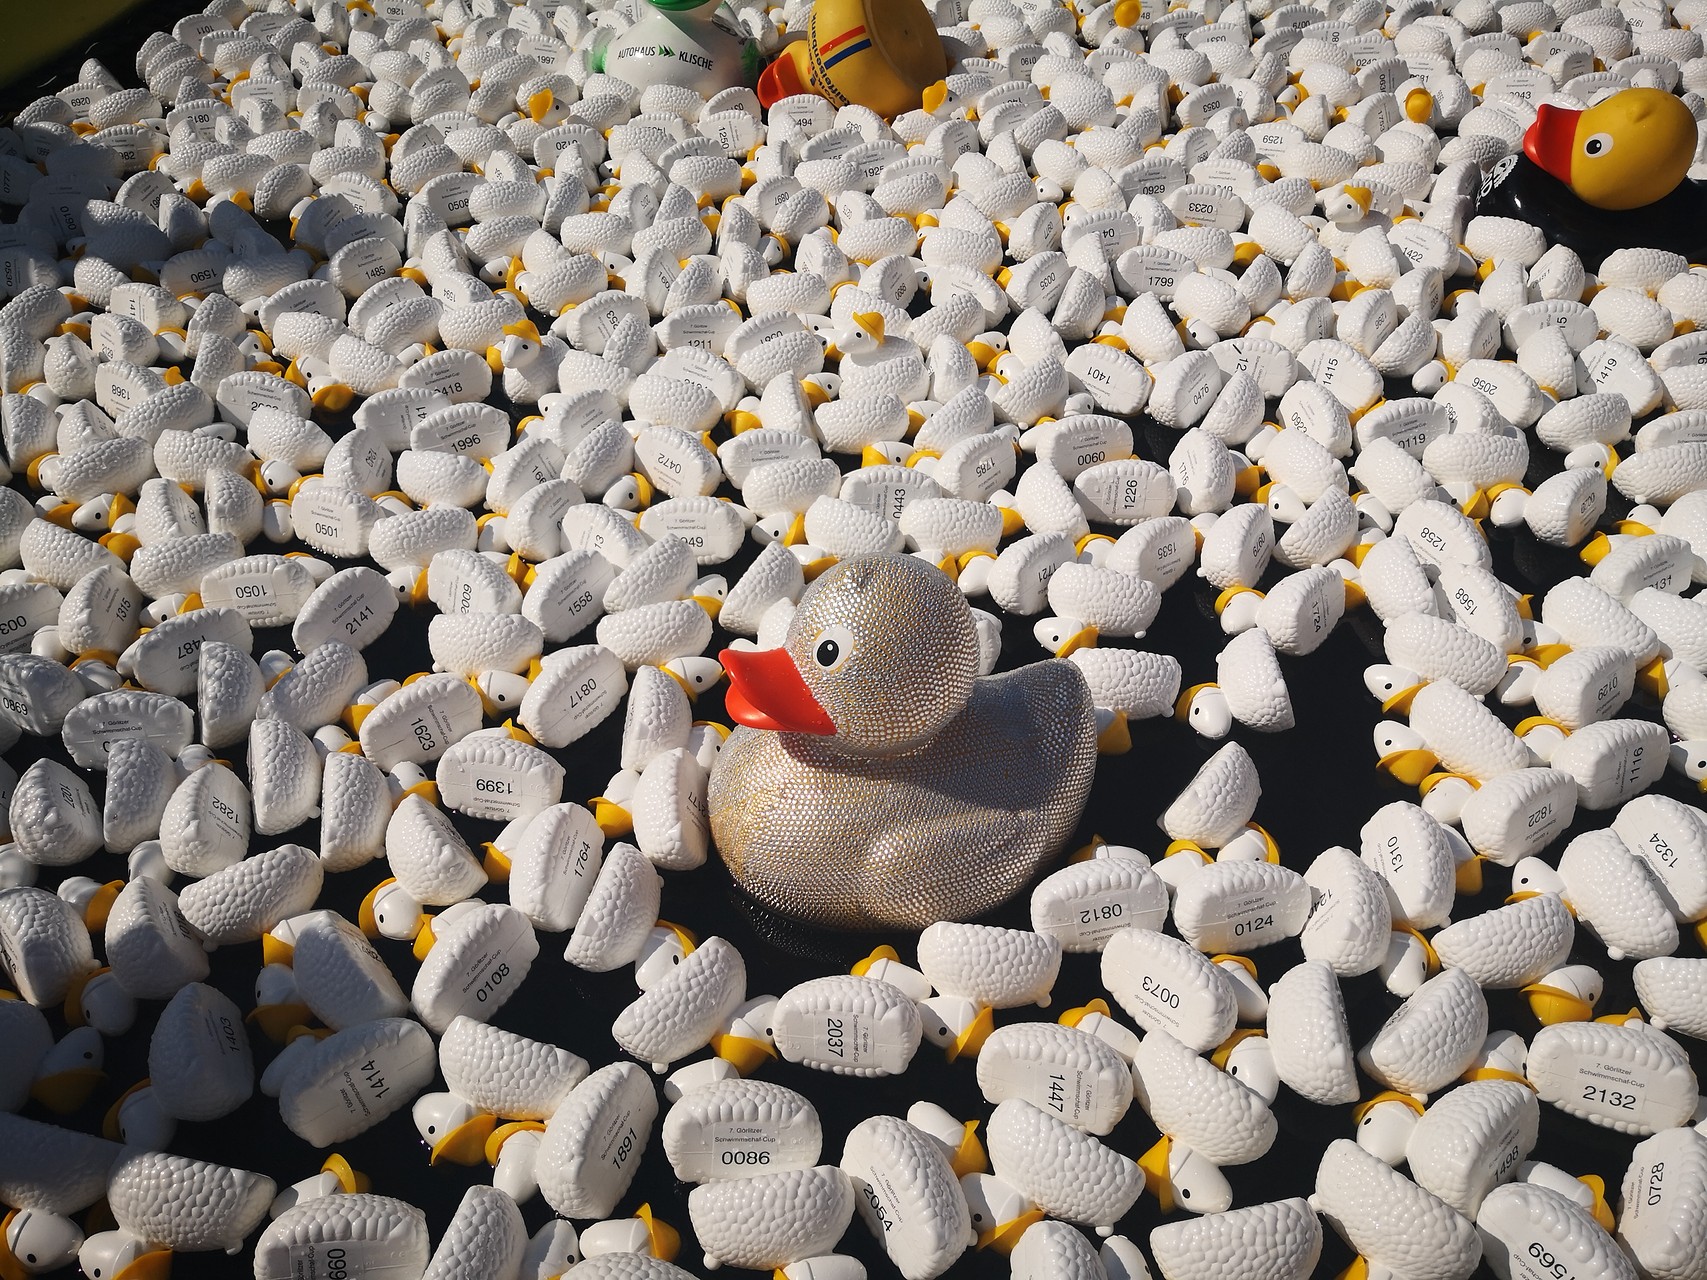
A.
pixel 465 1144
pixel 1552 1006
pixel 969 1041
pixel 1410 766
pixel 1004 1236
pixel 1157 1182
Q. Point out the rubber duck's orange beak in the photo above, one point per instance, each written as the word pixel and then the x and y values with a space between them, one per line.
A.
pixel 1550 140
pixel 766 692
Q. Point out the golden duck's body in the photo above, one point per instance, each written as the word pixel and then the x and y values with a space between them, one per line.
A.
pixel 924 793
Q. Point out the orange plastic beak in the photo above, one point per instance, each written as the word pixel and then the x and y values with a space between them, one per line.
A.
pixel 766 692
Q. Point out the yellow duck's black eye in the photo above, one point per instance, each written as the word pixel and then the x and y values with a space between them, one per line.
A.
pixel 1598 144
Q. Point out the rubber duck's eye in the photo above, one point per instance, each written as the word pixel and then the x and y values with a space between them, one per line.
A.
pixel 432 1128
pixel 1185 1193
pixel 833 647
pixel 1598 144
pixel 977 1217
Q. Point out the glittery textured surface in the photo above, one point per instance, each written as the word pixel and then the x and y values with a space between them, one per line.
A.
pixel 939 796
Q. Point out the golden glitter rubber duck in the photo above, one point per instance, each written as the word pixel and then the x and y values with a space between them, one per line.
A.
pixel 876 780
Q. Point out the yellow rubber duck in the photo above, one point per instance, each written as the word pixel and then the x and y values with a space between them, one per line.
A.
pixel 1625 152
pixel 882 54
pixel 877 780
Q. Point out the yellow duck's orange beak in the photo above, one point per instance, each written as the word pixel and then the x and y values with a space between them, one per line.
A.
pixel 766 692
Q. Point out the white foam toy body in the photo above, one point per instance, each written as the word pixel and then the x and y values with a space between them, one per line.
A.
pixel 427 855
pixel 1169 985
pixel 45 944
pixel 907 1196
pixel 1061 1070
pixel 619 912
pixel 1629 1078
pixel 419 722
pixel 1432 1037
pixel 53 1169
pixel 594 1141
pixel 247 899
pixel 1472 1140
pixel 1198 1106
pixel 1054 1249
pixel 140 780
pixel 553 867
pixel 1671 837
pixel 1530 1230
pixel 482 954
pixel 355 808
pixel 1510 946
pixel 772 1219
pixel 686 1007
pixel 1308 1036
pixel 1002 968
pixel 1252 683
pixel 343 1085
pixel 25 1029
pixel 668 808
pixel 1432 648
pixel 1276 1240
pixel 55 822
pixel 848 1025
pixel 340 977
pixel 199 1058
pixel 1518 814
pixel 560 707
pixel 373 1234
pixel 94 726
pixel 1612 892
pixel 1064 1171
pixel 1217 803
pixel 1672 995
pixel 1612 760
pixel 628 1266
pixel 505 1073
pixel 207 823
pixel 1390 1220
pixel 485 1237
pixel 1350 916
pixel 1412 853
pixel 1240 906
pixel 1084 903
pixel 186 1205
pixel 739 1128
pixel 150 946
pixel 315 691
pixel 1660 1221
pixel 491 775
pixel 1463 734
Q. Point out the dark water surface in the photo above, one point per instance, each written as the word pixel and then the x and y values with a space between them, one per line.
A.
pixel 1319 787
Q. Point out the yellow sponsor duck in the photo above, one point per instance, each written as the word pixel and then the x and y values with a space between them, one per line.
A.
pixel 1605 178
